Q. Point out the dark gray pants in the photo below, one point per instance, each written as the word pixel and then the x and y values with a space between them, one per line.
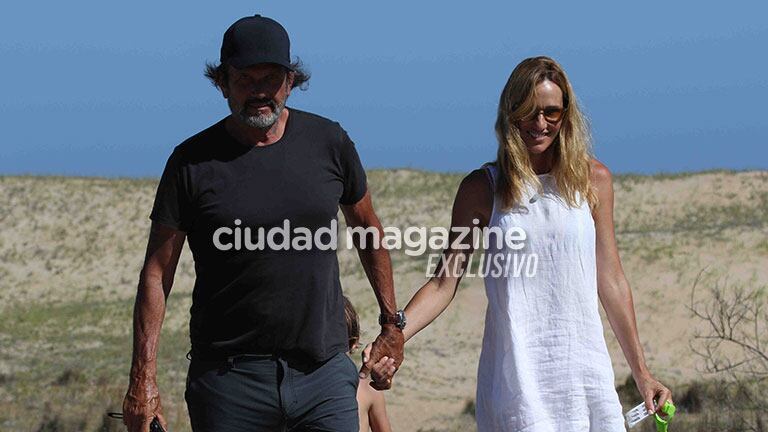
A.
pixel 269 393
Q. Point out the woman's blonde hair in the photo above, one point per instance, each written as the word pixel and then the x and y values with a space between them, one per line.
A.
pixel 572 146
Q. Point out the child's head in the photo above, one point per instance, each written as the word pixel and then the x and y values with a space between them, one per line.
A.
pixel 353 324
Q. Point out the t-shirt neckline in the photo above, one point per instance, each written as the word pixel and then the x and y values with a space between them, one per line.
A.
pixel 279 143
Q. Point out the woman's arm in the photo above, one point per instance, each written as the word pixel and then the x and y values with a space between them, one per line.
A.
pixel 615 293
pixel 474 201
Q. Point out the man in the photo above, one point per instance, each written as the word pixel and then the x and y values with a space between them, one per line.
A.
pixel 267 322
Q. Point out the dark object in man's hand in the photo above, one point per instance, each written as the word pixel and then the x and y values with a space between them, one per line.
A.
pixel 155 426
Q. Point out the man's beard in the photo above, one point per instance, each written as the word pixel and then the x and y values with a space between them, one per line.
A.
pixel 258 121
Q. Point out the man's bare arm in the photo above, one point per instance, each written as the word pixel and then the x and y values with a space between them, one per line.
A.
pixel 142 401
pixel 378 268
pixel 376 261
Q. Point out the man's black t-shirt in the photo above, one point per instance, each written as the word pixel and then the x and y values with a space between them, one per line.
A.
pixel 252 296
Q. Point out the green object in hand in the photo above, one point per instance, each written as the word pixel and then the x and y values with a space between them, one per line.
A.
pixel 663 422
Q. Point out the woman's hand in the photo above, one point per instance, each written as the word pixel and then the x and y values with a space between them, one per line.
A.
pixel 651 389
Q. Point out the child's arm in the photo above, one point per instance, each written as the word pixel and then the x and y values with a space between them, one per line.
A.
pixel 377 414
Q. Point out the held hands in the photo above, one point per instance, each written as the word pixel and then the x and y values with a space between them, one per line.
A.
pixel 141 405
pixel 382 358
pixel 651 390
pixel 381 372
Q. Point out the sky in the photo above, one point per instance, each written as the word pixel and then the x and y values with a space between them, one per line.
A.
pixel 108 89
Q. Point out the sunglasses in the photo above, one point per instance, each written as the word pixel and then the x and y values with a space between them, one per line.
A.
pixel 551 114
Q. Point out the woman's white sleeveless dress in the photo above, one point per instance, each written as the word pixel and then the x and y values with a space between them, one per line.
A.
pixel 544 365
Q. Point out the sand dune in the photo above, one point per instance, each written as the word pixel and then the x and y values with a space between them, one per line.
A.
pixel 71 249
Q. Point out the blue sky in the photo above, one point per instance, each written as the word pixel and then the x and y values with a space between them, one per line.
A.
pixel 95 88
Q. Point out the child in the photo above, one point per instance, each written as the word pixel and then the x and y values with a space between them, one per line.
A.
pixel 371 405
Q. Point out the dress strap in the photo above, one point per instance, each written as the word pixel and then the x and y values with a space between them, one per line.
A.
pixel 490 172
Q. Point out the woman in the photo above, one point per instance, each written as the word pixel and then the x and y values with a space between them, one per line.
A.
pixel 544 365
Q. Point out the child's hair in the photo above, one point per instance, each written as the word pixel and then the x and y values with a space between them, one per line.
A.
pixel 353 324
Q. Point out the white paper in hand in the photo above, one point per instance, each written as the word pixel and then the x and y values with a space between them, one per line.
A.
pixel 636 415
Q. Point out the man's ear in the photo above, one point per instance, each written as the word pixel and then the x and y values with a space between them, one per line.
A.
pixel 289 80
pixel 223 85
pixel 223 82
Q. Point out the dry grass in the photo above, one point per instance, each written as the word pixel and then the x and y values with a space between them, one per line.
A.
pixel 71 248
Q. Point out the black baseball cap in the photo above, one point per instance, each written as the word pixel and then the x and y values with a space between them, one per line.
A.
pixel 256 39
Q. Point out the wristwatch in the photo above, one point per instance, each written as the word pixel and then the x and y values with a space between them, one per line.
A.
pixel 398 319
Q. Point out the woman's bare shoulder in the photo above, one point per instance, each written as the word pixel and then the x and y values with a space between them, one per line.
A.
pixel 475 194
pixel 600 175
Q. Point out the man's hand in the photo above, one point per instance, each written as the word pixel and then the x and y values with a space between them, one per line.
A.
pixel 389 344
pixel 142 400
pixel 141 405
